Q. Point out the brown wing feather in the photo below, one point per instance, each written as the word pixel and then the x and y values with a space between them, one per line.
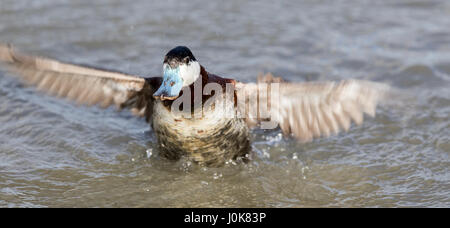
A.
pixel 313 109
pixel 85 85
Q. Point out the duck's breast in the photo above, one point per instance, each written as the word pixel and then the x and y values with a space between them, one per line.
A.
pixel 212 139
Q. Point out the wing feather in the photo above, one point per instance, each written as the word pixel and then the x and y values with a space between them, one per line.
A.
pixel 84 85
pixel 313 109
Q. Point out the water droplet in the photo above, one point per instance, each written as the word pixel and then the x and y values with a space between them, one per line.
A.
pixel 279 136
pixel 217 176
pixel 266 154
pixel 149 152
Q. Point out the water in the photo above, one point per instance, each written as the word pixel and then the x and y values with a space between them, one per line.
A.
pixel 53 153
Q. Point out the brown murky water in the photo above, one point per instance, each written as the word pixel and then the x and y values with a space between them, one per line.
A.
pixel 53 153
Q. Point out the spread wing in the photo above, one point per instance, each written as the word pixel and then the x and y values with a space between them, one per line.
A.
pixel 85 85
pixel 312 109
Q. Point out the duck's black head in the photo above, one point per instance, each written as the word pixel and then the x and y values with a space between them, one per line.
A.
pixel 179 55
pixel 180 69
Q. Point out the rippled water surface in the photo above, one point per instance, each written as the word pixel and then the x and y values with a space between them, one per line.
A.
pixel 53 153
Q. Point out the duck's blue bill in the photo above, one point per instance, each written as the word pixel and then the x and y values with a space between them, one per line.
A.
pixel 171 86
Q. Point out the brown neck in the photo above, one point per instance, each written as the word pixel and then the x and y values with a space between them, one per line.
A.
pixel 205 76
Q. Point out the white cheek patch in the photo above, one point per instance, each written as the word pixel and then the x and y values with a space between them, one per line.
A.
pixel 189 73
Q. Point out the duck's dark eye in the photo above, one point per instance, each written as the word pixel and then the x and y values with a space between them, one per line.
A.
pixel 186 59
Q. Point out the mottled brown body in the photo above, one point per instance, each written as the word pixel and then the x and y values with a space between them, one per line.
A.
pixel 209 140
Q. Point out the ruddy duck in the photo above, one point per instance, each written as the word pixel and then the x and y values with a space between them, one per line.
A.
pixel 201 131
